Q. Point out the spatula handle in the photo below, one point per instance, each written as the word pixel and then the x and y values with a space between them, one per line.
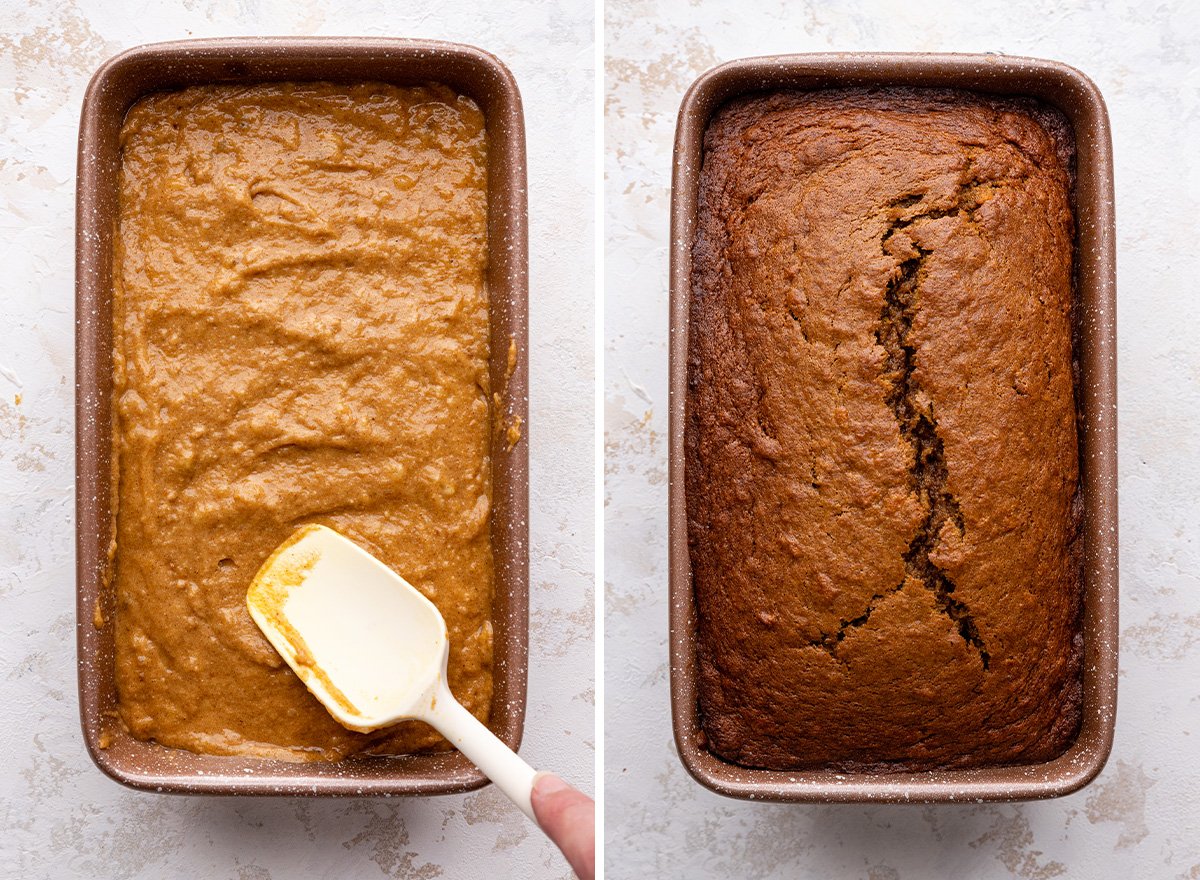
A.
pixel 485 750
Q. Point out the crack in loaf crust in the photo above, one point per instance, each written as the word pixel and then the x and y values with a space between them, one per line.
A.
pixel 882 462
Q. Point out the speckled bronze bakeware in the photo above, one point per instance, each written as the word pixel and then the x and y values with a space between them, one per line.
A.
pixel 114 88
pixel 1095 334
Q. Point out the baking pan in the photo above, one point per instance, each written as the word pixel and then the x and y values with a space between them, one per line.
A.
pixel 114 88
pixel 1095 333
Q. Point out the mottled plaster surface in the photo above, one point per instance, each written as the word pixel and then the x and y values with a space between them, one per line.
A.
pixel 1140 818
pixel 60 817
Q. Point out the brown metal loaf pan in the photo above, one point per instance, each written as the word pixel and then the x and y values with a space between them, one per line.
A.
pixel 114 88
pixel 1073 93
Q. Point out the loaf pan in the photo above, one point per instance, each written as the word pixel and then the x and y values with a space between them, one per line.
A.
pixel 1095 332
pixel 114 88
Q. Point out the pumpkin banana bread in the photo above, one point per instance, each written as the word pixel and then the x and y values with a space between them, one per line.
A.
pixel 882 461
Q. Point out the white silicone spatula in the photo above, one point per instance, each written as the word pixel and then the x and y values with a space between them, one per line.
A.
pixel 370 647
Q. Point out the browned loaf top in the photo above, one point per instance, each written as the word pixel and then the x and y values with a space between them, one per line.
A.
pixel 882 462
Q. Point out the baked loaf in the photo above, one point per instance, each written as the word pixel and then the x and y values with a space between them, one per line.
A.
pixel 882 462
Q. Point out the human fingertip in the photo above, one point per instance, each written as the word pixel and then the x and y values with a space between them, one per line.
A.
pixel 546 784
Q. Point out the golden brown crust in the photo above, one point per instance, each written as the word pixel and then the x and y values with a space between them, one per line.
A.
pixel 881 446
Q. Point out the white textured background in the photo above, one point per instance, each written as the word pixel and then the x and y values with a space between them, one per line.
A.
pixel 59 817
pixel 1141 819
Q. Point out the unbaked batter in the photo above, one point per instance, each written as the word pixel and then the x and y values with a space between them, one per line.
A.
pixel 301 335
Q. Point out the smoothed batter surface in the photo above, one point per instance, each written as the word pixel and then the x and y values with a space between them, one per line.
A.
pixel 300 335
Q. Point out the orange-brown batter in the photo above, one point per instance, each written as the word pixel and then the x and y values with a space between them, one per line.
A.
pixel 300 335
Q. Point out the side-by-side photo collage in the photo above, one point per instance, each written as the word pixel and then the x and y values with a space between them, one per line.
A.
pixel 595 439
